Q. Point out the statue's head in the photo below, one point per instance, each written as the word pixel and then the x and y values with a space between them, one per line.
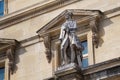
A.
pixel 68 15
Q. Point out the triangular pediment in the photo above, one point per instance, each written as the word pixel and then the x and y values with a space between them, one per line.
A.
pixel 81 16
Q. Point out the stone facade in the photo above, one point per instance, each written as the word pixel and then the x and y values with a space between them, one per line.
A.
pixel 27 22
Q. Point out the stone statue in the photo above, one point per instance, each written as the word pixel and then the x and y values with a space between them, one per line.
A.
pixel 71 48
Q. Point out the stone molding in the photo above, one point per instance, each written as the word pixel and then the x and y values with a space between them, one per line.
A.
pixel 108 70
pixel 22 15
pixel 102 66
pixel 89 15
pixel 33 11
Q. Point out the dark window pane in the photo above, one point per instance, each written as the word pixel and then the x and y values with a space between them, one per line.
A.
pixel 2 71
pixel 85 62
pixel 1 7
pixel 84 44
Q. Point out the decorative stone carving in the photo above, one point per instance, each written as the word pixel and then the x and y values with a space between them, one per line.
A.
pixel 95 35
pixel 8 46
pixel 89 18
pixel 10 53
pixel 47 43
pixel 71 47
pixel 69 70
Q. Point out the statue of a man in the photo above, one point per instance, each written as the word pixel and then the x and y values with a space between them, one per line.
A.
pixel 69 40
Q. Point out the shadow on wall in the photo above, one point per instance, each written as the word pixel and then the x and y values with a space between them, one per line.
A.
pixel 20 50
pixel 105 22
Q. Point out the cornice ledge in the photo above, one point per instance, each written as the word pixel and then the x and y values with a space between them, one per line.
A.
pixel 7 43
pixel 102 66
pixel 31 12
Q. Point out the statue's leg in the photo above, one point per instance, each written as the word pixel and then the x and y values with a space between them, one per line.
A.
pixel 72 54
pixel 73 47
pixel 62 55
pixel 64 46
pixel 65 54
pixel 79 59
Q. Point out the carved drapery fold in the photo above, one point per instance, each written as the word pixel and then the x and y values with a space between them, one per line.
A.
pixel 47 43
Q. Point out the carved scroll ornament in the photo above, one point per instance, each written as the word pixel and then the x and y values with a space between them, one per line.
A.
pixel 11 57
pixel 8 47
pixel 95 35
pixel 47 43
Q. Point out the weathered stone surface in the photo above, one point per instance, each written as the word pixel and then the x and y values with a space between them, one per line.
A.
pixel 31 63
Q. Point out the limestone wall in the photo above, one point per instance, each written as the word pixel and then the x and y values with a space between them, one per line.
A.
pixel 31 63
pixel 110 40
pixel 15 5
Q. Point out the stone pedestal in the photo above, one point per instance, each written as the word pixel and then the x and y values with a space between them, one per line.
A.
pixel 69 72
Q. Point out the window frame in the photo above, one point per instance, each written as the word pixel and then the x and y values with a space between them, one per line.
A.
pixel 4 63
pixel 85 56
pixel 5 6
pixel 2 9
pixel 3 69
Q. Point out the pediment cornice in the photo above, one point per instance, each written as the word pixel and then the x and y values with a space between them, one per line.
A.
pixel 81 16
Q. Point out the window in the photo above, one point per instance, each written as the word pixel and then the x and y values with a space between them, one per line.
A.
pixel 85 54
pixel 2 71
pixel 1 7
